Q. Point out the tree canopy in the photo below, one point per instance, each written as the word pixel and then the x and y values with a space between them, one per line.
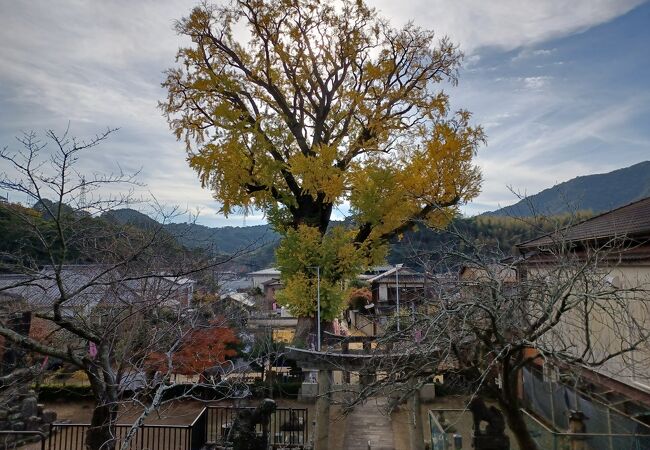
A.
pixel 295 107
pixel 201 349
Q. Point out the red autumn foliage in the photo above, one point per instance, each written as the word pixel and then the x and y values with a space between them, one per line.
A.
pixel 40 329
pixel 359 298
pixel 202 348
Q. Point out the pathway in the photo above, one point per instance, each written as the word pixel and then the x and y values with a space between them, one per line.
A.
pixel 367 423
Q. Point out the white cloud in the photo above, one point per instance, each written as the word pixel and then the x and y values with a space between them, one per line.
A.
pixel 100 64
pixel 547 138
pixel 505 24
pixel 544 51
pixel 536 83
pixel 527 53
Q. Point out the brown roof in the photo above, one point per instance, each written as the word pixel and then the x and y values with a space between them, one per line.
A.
pixel 632 220
pixel 272 282
pixel 404 273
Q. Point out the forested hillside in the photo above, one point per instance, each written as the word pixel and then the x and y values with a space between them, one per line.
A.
pixel 596 193
pixel 20 245
pixel 503 228
pixel 257 244
pixel 499 233
pixel 224 239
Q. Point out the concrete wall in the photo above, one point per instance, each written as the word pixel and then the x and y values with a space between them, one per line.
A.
pixel 259 279
pixel 279 322
pixel 363 324
pixel 608 331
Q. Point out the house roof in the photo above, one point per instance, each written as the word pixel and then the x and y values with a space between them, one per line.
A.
pixel 241 298
pixel 272 282
pixel 90 285
pixel 502 272
pixel 379 269
pixel 631 220
pixel 271 271
pixel 404 273
pixel 234 284
pixel 181 281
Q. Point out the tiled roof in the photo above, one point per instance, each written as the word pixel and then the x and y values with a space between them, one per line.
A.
pixel 404 272
pixel 242 298
pixel 632 220
pixel 272 282
pixel 88 285
pixel 269 271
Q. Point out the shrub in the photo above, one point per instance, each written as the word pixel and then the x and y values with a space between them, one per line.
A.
pixel 58 392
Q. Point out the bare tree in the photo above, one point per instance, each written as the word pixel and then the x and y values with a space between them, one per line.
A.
pixel 116 299
pixel 566 303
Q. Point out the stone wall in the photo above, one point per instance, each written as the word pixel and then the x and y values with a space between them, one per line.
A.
pixel 20 411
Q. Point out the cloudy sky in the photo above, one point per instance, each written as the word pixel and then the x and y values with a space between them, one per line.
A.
pixel 562 88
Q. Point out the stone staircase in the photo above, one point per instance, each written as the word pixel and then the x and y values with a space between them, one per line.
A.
pixel 368 428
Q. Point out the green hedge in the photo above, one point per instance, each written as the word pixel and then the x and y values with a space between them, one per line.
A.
pixel 280 390
pixel 58 392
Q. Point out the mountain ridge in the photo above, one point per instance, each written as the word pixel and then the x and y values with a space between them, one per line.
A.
pixel 596 193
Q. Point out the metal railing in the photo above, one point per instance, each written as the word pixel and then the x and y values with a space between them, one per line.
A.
pixel 442 435
pixel 550 399
pixel 288 427
pixel 549 439
pixel 72 436
pixel 5 434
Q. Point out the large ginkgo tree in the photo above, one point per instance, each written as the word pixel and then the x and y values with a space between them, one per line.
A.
pixel 295 107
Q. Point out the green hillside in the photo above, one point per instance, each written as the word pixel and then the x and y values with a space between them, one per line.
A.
pixel 224 239
pixel 597 193
pixel 501 229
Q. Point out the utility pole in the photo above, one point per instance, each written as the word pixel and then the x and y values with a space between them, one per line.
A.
pixel 397 268
pixel 82 194
pixel 317 305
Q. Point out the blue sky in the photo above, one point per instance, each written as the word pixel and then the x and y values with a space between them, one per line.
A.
pixel 562 88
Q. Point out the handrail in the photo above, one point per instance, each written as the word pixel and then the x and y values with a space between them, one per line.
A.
pixel 567 434
pixel 40 433
pixel 33 432
pixel 449 409
pixel 196 419
pixel 152 425
pixel 350 338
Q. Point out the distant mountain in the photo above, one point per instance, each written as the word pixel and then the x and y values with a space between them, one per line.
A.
pixel 596 193
pixel 223 240
pixel 256 243
pixel 128 216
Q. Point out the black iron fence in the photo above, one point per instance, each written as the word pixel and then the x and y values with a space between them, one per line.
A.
pixel 288 428
pixel 71 436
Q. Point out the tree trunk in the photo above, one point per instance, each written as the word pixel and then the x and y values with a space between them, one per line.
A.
pixel 307 332
pixel 508 400
pixel 101 434
pixel 518 426
pixel 312 212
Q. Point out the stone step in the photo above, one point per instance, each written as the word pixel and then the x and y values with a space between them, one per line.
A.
pixel 366 424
